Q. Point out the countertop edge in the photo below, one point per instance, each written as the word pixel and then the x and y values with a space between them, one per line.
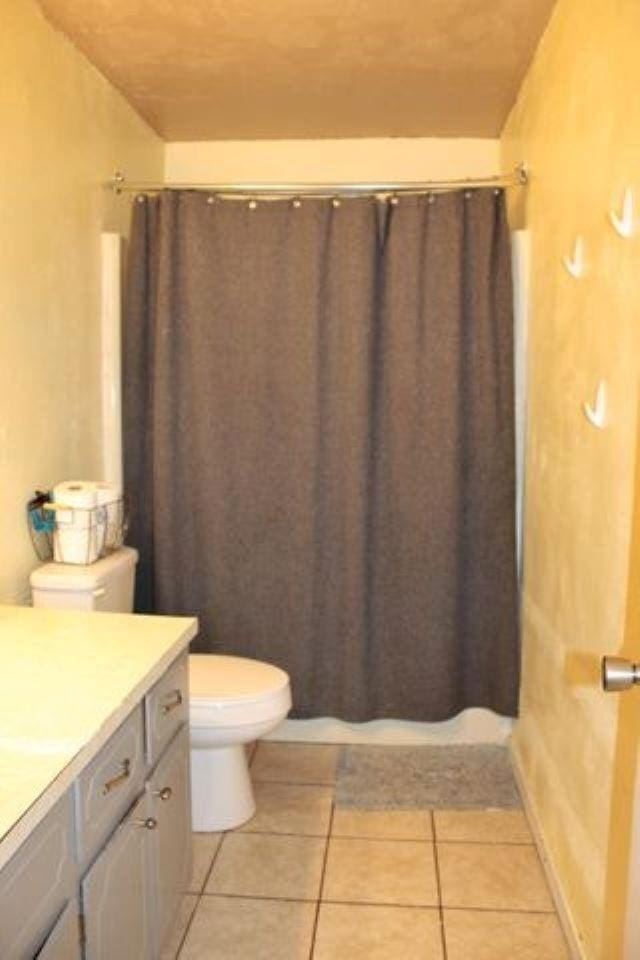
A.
pixel 18 833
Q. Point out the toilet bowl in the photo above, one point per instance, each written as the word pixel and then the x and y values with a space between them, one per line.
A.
pixel 232 702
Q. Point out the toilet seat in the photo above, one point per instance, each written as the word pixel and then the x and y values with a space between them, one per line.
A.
pixel 234 691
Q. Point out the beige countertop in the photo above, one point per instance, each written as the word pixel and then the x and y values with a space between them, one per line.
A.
pixel 67 681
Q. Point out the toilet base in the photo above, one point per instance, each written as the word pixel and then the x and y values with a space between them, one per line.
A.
pixel 221 791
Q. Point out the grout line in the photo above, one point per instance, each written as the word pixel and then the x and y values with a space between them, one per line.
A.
pixel 513 910
pixel 208 873
pixel 200 894
pixel 367 837
pixel 423 840
pixel 433 907
pixel 188 925
pixel 436 862
pixel 258 896
pixel 341 836
pixel 378 903
pixel 487 843
pixel 321 886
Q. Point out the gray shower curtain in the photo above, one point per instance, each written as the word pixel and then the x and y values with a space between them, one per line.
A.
pixel 319 442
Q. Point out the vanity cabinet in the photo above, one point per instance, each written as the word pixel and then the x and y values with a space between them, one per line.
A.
pixel 102 875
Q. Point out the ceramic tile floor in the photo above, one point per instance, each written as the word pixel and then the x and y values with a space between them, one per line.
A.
pixel 307 881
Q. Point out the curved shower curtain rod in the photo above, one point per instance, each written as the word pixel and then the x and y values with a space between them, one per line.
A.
pixel 519 178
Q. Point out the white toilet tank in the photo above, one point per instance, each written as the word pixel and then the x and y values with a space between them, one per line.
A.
pixel 105 585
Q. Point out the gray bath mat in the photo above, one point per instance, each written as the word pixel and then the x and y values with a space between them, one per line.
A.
pixel 429 777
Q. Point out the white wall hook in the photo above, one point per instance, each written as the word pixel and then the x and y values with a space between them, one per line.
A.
pixel 597 414
pixel 575 263
pixel 624 224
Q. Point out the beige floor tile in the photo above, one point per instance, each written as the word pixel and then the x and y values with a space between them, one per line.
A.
pixel 483 826
pixel 204 848
pixel 187 906
pixel 382 824
pixel 295 763
pixel 380 871
pixel 348 932
pixel 503 936
pixel 267 865
pixel 284 808
pixel 230 928
pixel 492 876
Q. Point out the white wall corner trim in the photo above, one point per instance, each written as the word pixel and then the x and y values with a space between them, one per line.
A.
pixel 111 365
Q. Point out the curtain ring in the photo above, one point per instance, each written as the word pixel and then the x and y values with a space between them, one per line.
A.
pixel 211 198
pixel 468 194
pixel 296 202
pixel 253 204
pixel 393 200
pixel 335 202
pixel 431 198
pixel 140 198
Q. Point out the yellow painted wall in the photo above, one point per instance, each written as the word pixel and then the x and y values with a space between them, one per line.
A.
pixel 577 123
pixel 64 130
pixel 331 160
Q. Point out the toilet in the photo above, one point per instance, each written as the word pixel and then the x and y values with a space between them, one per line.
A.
pixel 232 701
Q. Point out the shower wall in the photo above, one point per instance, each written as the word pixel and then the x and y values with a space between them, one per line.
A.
pixel 325 160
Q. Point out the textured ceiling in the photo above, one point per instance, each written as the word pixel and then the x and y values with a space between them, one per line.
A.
pixel 271 69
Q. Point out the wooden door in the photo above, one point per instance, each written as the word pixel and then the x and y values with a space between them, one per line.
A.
pixel 622 896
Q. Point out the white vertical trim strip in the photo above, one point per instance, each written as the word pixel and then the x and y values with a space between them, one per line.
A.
pixel 521 261
pixel 111 372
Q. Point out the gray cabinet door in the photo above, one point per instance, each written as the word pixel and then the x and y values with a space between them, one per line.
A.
pixel 171 842
pixel 115 893
pixel 37 883
pixel 63 943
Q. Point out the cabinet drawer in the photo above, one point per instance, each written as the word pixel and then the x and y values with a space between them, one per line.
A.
pixel 109 785
pixel 167 708
pixel 36 883
pixel 63 943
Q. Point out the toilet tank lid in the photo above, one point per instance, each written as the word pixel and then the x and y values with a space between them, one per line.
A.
pixel 84 577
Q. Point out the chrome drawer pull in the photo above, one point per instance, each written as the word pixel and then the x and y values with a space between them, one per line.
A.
pixel 176 702
pixel 117 781
pixel 149 823
pixel 164 794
